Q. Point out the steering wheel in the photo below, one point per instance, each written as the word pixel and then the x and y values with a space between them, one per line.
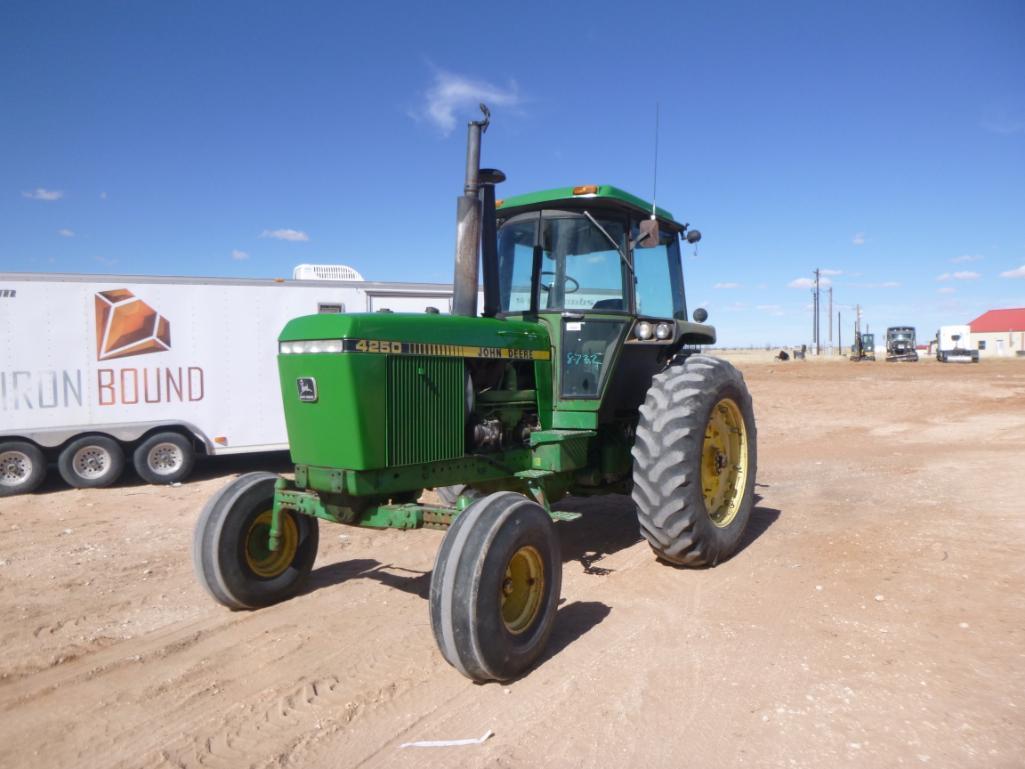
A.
pixel 566 278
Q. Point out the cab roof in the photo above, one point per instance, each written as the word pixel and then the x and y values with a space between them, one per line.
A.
pixel 577 197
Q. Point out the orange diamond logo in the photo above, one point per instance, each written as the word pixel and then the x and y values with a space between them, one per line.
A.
pixel 126 325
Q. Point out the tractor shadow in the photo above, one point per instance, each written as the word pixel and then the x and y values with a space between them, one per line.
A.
pixel 762 518
pixel 411 581
pixel 607 525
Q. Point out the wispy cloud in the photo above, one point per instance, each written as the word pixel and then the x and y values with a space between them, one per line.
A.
pixel 1015 273
pixel 451 92
pixel 65 232
pixel 965 258
pixel 946 290
pixel 239 256
pixel 39 193
pixel 103 196
pixel 858 239
pixel 884 284
pixel 726 285
pixel 1004 126
pixel 294 235
pixel 808 282
pixel 772 309
pixel 105 261
pixel 831 272
pixel 962 275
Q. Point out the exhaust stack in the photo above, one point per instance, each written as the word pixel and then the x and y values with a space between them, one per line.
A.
pixel 468 224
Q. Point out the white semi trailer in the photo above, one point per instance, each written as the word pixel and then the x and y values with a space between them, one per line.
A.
pixel 100 370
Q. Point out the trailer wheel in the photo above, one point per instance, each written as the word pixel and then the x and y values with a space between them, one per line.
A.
pixel 695 462
pixel 91 462
pixel 495 587
pixel 22 468
pixel 230 549
pixel 164 458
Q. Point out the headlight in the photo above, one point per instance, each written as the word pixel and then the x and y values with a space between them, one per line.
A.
pixel 663 331
pixel 643 330
pixel 310 346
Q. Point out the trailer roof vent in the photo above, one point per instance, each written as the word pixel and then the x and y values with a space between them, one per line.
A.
pixel 325 272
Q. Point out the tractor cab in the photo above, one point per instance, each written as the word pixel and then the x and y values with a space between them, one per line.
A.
pixel 606 279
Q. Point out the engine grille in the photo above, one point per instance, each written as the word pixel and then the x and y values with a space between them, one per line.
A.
pixel 425 409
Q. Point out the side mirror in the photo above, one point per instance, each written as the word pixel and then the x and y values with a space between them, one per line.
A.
pixel 693 236
pixel 700 315
pixel 648 237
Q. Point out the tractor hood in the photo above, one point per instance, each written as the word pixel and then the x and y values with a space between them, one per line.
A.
pixel 370 391
pixel 488 337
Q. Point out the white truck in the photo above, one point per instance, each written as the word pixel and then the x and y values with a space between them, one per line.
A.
pixel 953 345
pixel 97 370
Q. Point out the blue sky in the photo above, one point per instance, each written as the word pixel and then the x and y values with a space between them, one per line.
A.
pixel 881 141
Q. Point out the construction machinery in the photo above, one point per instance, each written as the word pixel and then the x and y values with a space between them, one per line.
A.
pixel 863 347
pixel 900 344
pixel 582 376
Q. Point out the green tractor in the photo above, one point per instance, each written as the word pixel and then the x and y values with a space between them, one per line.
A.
pixel 581 377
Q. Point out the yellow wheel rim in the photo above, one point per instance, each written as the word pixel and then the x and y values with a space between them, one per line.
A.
pixel 724 462
pixel 263 561
pixel 522 589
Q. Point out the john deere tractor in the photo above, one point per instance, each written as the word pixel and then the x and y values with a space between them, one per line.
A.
pixel 581 376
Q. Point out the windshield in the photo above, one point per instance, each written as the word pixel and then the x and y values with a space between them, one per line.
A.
pixel 579 267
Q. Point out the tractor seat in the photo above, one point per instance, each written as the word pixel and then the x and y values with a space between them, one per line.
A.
pixel 608 304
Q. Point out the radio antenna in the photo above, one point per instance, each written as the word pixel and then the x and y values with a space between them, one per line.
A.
pixel 654 173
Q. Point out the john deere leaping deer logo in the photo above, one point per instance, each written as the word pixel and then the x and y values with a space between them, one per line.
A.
pixel 307 387
pixel 126 325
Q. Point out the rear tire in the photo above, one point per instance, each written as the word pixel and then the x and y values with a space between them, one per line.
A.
pixel 22 468
pixel 230 553
pixel 164 458
pixel 495 587
pixel 695 462
pixel 91 462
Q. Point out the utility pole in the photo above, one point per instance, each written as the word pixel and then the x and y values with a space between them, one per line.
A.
pixel 830 320
pixel 815 325
pixel 839 333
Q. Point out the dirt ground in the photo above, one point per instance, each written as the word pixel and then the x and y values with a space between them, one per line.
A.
pixel 874 617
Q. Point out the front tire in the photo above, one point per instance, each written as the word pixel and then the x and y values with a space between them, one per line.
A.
pixel 495 587
pixel 695 462
pixel 230 549
pixel 164 458
pixel 91 462
pixel 22 468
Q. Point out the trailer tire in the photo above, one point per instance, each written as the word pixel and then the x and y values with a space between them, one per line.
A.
pixel 22 468
pixel 229 552
pixel 91 462
pixel 166 457
pixel 695 462
pixel 495 587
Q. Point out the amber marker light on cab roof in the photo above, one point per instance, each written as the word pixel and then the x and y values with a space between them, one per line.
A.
pixel 499 203
pixel 586 189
